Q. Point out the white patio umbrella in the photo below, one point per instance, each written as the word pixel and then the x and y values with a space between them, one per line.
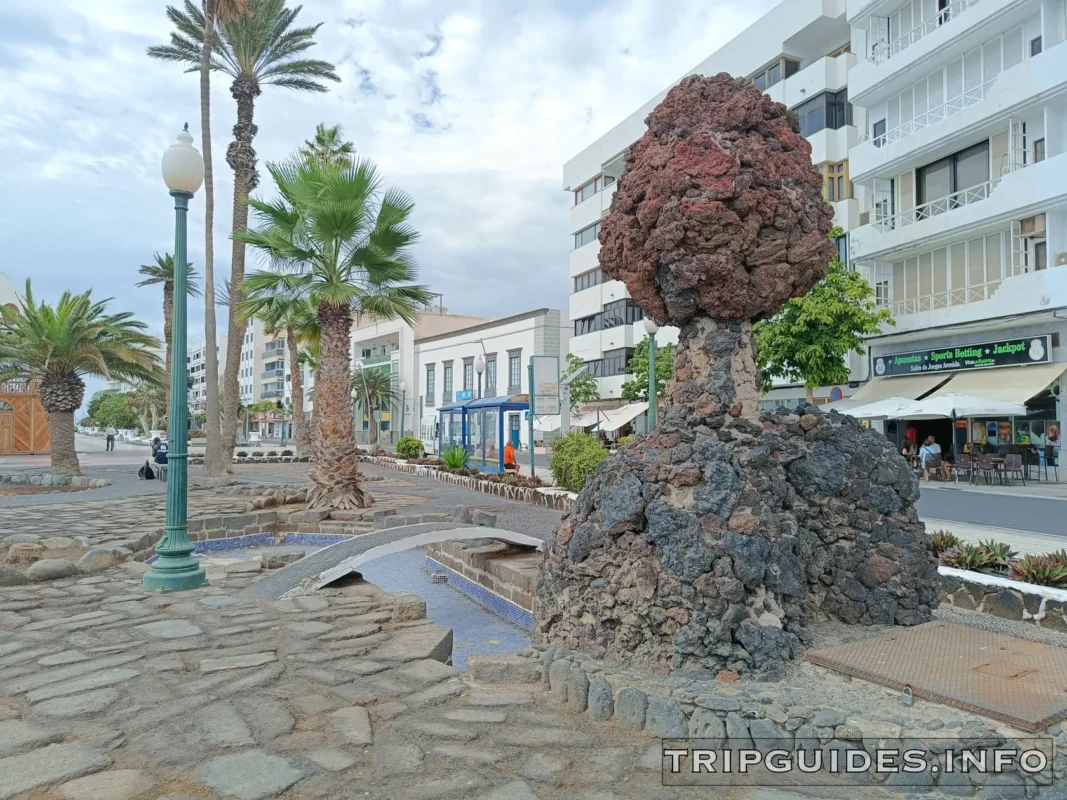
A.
pixel 955 405
pixel 880 409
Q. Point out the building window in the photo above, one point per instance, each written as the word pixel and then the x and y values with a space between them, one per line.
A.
pixel 1040 254
pixel 842 248
pixel 835 183
pixel 1035 47
pixel 514 371
pixel 881 293
pixel 826 110
pixel 878 133
pixel 584 237
pixel 615 362
pixel 621 312
pixel 1039 150
pixel 599 183
pixel 588 280
pixel 468 374
pixel 783 67
pixel 448 380
pixel 845 48
pixel 490 376
pixel 591 324
pixel 963 170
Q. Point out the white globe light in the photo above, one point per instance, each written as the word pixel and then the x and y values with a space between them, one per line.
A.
pixel 479 365
pixel 183 166
pixel 650 325
pixel 403 385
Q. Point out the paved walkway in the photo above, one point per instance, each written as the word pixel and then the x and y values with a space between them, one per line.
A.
pixel 106 692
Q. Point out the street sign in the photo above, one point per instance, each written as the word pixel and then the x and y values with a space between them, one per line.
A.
pixel 466 394
pixel 1008 352
pixel 544 391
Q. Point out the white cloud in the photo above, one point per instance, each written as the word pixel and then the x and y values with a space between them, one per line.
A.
pixel 471 106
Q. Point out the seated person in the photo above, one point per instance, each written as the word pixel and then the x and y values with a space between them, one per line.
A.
pixel 511 466
pixel 159 451
pixel 927 453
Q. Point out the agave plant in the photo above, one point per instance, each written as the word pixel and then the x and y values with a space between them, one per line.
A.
pixel 945 540
pixel 455 457
pixel 975 558
pixel 1001 550
pixel 1048 570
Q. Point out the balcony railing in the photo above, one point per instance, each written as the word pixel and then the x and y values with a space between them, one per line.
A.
pixel 274 350
pixel 273 393
pixel 972 194
pixel 273 373
pixel 369 360
pixel 883 51
pixel 928 118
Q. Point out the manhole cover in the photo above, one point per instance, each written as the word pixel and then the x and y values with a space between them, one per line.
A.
pixel 1013 680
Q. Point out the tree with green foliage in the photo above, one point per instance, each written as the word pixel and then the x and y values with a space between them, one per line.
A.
pixel 112 408
pixel 162 272
pixel 574 458
pixel 584 388
pixel 329 147
pixel 374 389
pixel 636 389
pixel 808 340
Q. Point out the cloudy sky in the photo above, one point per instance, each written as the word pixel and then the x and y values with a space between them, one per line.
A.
pixel 471 106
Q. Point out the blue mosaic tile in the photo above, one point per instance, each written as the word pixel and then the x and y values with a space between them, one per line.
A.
pixel 500 606
pixel 235 542
pixel 322 539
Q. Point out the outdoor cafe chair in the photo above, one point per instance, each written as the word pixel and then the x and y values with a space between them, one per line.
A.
pixel 964 463
pixel 1013 465
pixel 987 467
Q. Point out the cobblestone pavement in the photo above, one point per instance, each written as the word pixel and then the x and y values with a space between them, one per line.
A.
pixel 107 692
pixel 121 517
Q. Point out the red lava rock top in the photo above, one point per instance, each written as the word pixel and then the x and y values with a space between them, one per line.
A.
pixel 719 210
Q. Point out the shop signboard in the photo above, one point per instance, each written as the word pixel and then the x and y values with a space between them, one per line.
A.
pixel 981 355
pixel 545 394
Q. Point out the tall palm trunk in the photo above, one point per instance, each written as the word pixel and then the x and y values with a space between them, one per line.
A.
pixel 336 474
pixel 296 387
pixel 214 463
pixel 242 158
pixel 61 396
pixel 168 329
pixel 372 423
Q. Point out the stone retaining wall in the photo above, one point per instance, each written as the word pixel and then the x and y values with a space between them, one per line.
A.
pixel 553 499
pixel 1022 602
pixel 505 569
pixel 47 479
pixel 586 687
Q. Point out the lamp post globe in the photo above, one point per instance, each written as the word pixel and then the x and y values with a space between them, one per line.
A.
pixel 175 568
pixel 651 328
pixel 479 367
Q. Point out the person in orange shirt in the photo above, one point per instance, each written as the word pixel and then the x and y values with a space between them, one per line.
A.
pixel 510 464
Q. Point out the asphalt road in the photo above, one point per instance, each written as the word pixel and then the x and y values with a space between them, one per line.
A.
pixel 978 508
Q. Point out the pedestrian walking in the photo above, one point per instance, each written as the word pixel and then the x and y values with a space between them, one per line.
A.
pixel 111 434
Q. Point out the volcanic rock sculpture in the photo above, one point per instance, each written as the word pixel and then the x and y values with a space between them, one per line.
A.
pixel 715 540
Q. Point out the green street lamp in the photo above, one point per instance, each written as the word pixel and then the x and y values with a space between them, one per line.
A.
pixel 176 569
pixel 651 328
pixel 403 404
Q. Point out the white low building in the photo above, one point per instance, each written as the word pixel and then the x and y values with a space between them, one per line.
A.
pixel 446 365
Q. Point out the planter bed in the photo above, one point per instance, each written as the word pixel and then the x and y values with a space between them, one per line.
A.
pixel 1043 606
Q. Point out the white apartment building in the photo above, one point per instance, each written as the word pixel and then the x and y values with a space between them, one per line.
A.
pixel 446 364
pixel 390 345
pixel 196 365
pixel 963 232
pixel 799 52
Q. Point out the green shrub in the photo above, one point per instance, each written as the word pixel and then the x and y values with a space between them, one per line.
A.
pixel 945 540
pixel 409 447
pixel 455 457
pixel 575 457
pixel 625 440
pixel 1002 551
pixel 977 558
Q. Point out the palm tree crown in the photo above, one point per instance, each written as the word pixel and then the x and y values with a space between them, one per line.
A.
pixel 329 147
pixel 334 237
pixel 261 48
pixel 162 271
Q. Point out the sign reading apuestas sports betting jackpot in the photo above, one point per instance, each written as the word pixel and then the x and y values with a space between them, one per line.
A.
pixel 1010 352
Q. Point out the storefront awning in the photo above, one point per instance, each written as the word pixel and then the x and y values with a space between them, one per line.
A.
pixel 910 386
pixel 615 419
pixel 1005 384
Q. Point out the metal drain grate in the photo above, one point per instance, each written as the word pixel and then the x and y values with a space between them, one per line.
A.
pixel 1013 680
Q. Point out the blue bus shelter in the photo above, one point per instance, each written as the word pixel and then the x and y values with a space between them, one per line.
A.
pixel 478 425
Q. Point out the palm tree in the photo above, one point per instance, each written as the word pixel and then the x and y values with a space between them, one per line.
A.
pixel 285 310
pixel 263 49
pixel 373 389
pixel 328 146
pixel 162 271
pixel 336 238
pixel 57 346
pixel 216 12
pixel 146 399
